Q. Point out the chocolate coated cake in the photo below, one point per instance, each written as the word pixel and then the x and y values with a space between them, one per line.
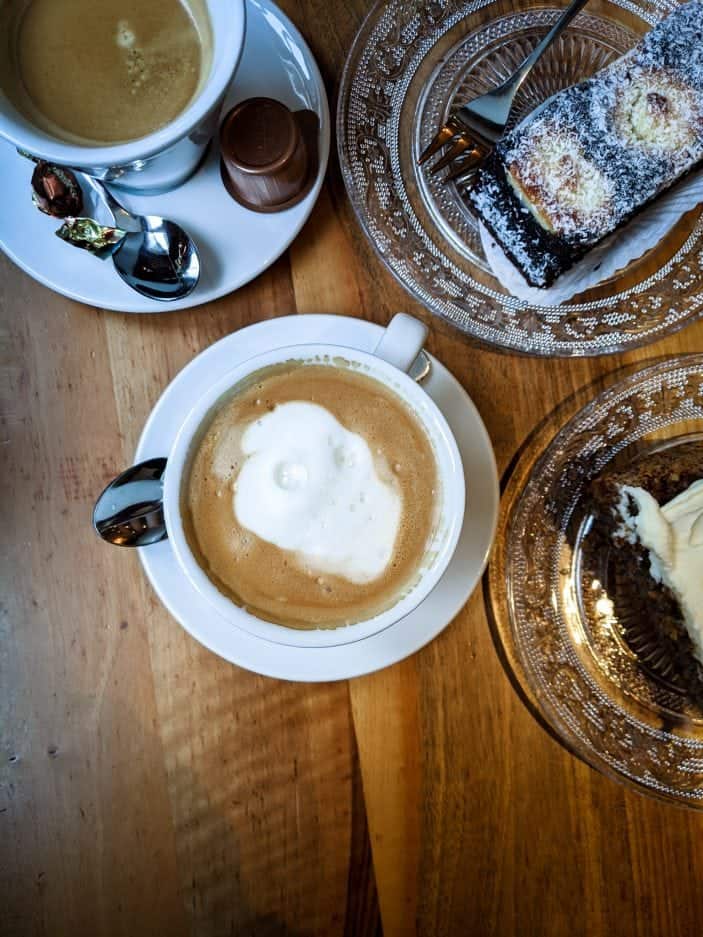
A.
pixel 597 153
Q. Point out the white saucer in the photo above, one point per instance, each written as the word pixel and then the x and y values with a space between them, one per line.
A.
pixel 416 629
pixel 235 244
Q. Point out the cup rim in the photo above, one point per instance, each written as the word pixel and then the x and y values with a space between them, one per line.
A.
pixel 446 538
pixel 228 42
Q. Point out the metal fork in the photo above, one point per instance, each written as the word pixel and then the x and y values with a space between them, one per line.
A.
pixel 479 125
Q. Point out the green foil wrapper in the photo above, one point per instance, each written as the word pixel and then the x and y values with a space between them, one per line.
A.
pixel 91 235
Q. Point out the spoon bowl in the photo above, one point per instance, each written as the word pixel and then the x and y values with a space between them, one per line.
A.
pixel 129 512
pixel 157 258
pixel 159 261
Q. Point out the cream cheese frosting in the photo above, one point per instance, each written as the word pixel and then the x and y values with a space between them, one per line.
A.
pixel 673 535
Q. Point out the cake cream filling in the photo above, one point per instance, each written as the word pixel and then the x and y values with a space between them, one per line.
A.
pixel 554 179
pixel 526 203
pixel 673 535
pixel 659 112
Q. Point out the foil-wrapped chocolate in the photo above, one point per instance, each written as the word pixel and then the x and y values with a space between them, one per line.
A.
pixel 92 236
pixel 55 191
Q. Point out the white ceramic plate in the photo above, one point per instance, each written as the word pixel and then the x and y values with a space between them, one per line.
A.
pixel 400 640
pixel 235 244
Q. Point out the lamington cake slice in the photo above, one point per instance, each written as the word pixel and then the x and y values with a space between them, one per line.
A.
pixel 652 514
pixel 597 153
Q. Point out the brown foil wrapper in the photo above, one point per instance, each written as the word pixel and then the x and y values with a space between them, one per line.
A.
pixel 56 191
pixel 90 235
pixel 269 154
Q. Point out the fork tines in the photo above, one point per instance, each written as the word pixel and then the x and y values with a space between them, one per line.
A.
pixel 456 133
pixel 446 133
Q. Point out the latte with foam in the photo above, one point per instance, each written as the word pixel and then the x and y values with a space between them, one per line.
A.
pixel 97 72
pixel 311 496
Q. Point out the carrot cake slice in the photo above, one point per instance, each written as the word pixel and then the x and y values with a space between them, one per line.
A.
pixel 652 514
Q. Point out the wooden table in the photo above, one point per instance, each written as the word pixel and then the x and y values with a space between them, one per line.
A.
pixel 149 788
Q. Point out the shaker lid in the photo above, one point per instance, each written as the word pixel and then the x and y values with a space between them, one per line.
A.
pixel 258 135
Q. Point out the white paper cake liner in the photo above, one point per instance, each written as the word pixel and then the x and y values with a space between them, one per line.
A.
pixel 644 232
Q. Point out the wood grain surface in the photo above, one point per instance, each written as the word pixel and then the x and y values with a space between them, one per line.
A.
pixel 149 788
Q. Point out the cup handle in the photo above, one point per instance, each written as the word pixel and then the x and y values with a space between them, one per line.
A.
pixel 402 341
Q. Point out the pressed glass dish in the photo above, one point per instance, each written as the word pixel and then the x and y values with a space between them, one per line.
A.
pixel 578 650
pixel 411 63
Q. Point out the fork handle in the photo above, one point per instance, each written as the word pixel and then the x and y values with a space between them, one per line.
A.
pixel 557 29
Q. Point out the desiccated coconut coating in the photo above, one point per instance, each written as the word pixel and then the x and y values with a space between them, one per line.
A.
pixel 598 152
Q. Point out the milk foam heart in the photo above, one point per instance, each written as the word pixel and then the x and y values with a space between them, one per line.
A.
pixel 310 486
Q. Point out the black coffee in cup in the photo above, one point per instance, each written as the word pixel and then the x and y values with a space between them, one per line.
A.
pixel 96 72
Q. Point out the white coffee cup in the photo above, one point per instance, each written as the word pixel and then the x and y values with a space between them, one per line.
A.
pixel 392 358
pixel 165 158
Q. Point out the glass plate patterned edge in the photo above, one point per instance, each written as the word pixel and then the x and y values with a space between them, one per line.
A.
pixel 389 47
pixel 524 576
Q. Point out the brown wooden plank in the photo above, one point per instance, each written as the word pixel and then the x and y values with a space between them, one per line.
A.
pixel 82 780
pixel 218 831
pixel 517 835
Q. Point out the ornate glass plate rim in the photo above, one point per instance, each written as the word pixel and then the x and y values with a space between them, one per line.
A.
pixel 525 580
pixel 390 46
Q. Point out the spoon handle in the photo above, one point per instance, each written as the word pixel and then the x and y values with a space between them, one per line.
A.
pixel 123 218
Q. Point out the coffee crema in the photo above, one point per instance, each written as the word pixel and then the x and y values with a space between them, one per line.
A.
pixel 311 496
pixel 94 72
